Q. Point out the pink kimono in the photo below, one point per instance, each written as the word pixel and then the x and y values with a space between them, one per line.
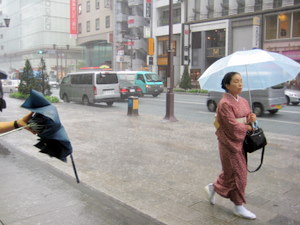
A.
pixel 232 182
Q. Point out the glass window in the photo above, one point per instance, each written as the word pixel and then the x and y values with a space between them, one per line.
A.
pixel 88 6
pixel 296 24
pixel 284 30
pixel 225 5
pixel 271 27
pixel 107 78
pixel 97 24
pixel 88 26
pixel 79 8
pixel 196 40
pixel 97 2
pixel 107 21
pixel 241 6
pixel 79 28
pixel 277 3
pixel 258 5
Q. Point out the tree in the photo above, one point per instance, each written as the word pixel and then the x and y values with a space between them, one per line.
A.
pixel 42 79
pixel 27 81
pixel 185 82
pixel 37 80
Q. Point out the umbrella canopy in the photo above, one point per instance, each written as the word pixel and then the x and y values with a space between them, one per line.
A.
pixel 260 69
pixel 3 75
pixel 53 137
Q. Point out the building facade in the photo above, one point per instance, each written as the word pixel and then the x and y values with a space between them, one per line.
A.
pixel 38 29
pixel 95 25
pixel 220 27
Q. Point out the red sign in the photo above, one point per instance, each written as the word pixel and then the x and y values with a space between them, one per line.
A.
pixel 129 43
pixel 131 21
pixel 73 16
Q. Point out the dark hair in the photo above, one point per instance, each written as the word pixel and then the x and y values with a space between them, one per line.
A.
pixel 226 79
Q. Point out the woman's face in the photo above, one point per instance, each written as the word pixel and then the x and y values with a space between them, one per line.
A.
pixel 236 85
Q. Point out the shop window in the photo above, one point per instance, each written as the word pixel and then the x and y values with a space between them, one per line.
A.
pixel 284 25
pixel 296 24
pixel 271 27
pixel 196 40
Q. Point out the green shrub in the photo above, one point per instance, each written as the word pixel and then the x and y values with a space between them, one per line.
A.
pixel 19 95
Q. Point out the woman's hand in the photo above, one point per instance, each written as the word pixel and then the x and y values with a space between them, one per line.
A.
pixel 23 121
pixel 251 118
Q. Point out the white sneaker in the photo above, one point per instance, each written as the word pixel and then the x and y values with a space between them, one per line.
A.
pixel 210 193
pixel 241 211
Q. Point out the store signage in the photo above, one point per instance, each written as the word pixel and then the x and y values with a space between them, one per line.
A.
pixel 73 16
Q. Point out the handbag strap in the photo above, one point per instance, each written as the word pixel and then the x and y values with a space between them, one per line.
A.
pixel 261 160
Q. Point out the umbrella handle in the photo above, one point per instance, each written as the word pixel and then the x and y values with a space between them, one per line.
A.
pixel 250 99
pixel 74 168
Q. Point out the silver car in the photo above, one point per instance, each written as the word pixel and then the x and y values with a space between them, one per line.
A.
pixel 292 96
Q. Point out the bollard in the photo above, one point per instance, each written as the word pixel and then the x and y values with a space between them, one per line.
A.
pixel 133 106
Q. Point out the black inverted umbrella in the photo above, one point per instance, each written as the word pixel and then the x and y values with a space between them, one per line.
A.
pixel 3 75
pixel 53 139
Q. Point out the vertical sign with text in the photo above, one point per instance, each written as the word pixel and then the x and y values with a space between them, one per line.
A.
pixel 186 44
pixel 147 8
pixel 73 16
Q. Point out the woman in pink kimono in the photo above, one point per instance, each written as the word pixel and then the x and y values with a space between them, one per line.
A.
pixel 234 119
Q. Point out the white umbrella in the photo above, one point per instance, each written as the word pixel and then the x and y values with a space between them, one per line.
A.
pixel 260 69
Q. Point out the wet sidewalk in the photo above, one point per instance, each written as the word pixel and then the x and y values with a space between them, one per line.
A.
pixel 160 168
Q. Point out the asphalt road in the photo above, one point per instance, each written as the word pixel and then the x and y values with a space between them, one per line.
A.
pixel 193 107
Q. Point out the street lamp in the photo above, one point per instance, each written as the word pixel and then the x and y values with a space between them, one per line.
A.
pixel 170 75
pixel 6 22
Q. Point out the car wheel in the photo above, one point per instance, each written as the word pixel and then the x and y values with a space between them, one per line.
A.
pixel 295 103
pixel 258 109
pixel 154 95
pixel 273 111
pixel 109 103
pixel 85 100
pixel 211 106
pixel 65 98
pixel 287 100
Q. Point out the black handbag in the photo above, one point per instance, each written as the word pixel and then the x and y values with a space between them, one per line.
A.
pixel 254 141
pixel 2 104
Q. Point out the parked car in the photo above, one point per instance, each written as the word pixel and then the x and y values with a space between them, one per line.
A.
pixel 129 89
pixel 53 84
pixel 270 99
pixel 292 96
pixel 10 86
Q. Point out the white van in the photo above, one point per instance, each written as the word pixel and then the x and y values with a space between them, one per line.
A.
pixel 271 99
pixel 10 86
pixel 90 87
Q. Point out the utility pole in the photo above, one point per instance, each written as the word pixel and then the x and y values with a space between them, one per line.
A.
pixel 170 75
